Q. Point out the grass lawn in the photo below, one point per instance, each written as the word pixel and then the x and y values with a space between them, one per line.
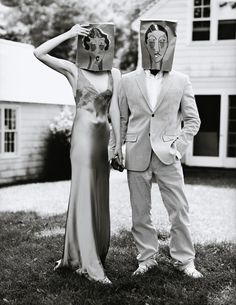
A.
pixel 26 276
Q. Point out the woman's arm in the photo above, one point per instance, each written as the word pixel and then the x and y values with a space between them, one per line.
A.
pixel 65 67
pixel 115 113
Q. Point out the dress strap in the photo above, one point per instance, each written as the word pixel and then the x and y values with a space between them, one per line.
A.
pixel 110 81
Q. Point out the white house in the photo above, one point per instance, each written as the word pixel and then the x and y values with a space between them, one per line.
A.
pixel 206 51
pixel 31 95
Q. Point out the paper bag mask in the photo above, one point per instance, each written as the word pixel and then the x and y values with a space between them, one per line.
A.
pixel 157 39
pixel 95 52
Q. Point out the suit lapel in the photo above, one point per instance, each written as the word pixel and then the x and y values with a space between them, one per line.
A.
pixel 141 81
pixel 166 83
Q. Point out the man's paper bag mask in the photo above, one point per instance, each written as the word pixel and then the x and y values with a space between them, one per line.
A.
pixel 95 52
pixel 157 39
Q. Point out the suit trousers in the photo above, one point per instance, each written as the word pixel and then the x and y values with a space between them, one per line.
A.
pixel 171 184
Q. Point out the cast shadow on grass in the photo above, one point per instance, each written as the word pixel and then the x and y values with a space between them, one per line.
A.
pixel 26 278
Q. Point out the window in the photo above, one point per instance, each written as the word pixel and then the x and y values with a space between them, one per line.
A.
pixel 227 20
pixel 213 20
pixel 206 142
pixel 226 29
pixel 231 145
pixel 8 130
pixel 201 20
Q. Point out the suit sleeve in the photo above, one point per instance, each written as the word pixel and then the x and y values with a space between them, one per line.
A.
pixel 190 118
pixel 124 111
pixel 124 117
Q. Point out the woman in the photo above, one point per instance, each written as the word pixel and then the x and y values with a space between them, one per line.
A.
pixel 87 233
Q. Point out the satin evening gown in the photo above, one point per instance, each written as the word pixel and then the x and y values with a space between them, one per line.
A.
pixel 87 234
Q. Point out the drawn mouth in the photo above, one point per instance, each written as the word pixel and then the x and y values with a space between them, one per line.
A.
pixel 97 58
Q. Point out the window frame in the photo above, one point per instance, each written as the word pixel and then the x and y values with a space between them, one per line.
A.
pixel 222 161
pixel 214 20
pixel 16 153
pixel 228 127
pixel 201 19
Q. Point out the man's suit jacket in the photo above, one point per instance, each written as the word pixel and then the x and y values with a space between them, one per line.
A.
pixel 144 129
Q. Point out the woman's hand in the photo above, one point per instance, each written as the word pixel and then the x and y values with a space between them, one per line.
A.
pixel 78 29
pixel 118 151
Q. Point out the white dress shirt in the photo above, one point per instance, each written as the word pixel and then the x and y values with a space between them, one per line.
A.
pixel 153 85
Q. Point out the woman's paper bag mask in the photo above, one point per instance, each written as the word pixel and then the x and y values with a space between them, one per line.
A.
pixel 157 39
pixel 95 52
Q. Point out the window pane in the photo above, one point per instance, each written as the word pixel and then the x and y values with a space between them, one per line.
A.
pixel 6 118
pixel 231 139
pixel 206 12
pixel 9 142
pixel 232 151
pixel 10 119
pixel 197 2
pixel 231 145
pixel 206 142
pixel 198 12
pixel 226 29
pixel 232 113
pixel 201 30
pixel 206 2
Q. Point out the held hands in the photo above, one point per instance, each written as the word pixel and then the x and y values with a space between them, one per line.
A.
pixel 78 29
pixel 117 160
pixel 118 152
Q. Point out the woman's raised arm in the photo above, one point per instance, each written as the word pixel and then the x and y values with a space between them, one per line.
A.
pixel 65 67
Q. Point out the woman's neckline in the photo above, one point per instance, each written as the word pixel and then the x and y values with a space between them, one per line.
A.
pixel 92 85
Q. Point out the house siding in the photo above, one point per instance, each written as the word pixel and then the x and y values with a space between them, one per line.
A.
pixel 34 123
pixel 208 63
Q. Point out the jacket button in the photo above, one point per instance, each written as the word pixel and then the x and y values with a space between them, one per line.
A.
pixel 153 115
pixel 149 134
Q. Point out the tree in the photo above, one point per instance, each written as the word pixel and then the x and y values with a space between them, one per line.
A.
pixel 34 22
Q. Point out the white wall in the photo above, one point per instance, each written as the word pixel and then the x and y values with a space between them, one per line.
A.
pixel 34 128
pixel 210 64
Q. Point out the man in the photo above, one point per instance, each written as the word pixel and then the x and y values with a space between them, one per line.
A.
pixel 153 103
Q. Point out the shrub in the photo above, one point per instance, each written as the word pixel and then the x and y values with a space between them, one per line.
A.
pixel 57 158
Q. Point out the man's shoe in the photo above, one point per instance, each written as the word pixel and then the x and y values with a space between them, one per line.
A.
pixel 143 269
pixel 192 272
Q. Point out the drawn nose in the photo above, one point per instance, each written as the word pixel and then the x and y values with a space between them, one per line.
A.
pixel 157 47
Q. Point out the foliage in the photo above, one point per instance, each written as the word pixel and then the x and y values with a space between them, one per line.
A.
pixel 27 259
pixel 34 22
pixel 57 157
pixel 63 122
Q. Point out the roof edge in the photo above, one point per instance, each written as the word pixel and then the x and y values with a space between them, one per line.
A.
pixel 135 24
pixel 14 43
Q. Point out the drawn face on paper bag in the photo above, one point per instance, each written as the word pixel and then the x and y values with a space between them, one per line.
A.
pixel 95 51
pixel 157 43
pixel 156 40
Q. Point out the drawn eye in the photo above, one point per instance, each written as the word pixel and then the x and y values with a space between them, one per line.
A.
pixel 162 43
pixel 152 44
